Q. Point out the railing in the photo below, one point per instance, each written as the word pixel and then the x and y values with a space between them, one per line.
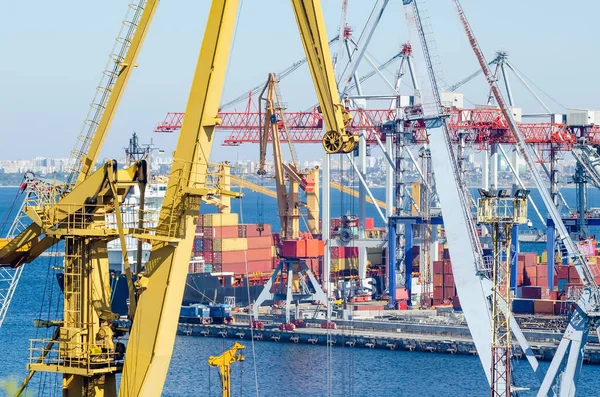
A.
pixel 72 357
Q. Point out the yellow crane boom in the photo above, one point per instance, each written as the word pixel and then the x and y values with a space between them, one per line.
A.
pixel 223 362
pixel 153 331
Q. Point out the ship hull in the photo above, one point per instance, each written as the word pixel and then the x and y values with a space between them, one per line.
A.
pixel 200 288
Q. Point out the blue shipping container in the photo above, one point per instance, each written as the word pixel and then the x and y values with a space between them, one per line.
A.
pixel 562 284
pixel 522 306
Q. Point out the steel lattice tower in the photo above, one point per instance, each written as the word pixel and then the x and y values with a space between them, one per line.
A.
pixel 501 212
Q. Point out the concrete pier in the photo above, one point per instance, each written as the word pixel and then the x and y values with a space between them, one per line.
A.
pixel 453 341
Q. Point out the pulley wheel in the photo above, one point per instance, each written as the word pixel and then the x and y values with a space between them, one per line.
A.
pixel 333 142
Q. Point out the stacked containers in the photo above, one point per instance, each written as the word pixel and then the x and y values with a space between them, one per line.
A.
pixel 344 260
pixel 444 288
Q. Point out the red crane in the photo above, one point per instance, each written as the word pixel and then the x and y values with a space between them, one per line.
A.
pixel 480 127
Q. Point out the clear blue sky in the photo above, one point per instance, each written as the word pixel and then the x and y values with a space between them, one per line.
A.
pixel 54 51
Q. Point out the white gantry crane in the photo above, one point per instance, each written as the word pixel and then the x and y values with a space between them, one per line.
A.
pixel 473 287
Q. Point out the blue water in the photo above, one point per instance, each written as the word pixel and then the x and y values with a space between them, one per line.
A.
pixel 282 368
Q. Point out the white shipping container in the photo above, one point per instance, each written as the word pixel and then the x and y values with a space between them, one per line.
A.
pixel 452 99
pixel 583 117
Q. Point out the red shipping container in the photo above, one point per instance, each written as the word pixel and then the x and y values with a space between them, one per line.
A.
pixel 448 280
pixel 369 223
pixel 260 242
pixel 232 256
pixel 259 254
pixel 520 280
pixel 314 248
pixel 438 280
pixel 438 293
pixel 293 249
pixel 200 221
pixel 217 258
pixel 208 256
pixel 218 232
pixel 242 231
pixel 553 295
pixel 531 293
pixel 530 258
pixel 237 268
pixel 449 292
pixel 438 267
pixel 337 252
pixel 531 271
pixel 447 267
pixel 259 266
pixel 562 271
pixel 542 270
pixel 542 281
pixel 543 306
pixel 350 252
pixel 573 273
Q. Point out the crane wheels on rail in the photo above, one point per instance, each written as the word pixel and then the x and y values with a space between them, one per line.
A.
pixel 335 142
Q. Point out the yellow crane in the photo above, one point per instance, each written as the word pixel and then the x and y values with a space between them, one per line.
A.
pixel 287 200
pixel 87 213
pixel 223 362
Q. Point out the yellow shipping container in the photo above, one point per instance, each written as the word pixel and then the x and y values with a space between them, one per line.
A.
pixel 344 263
pixel 230 244
pixel 220 219
pixel 273 251
pixel 592 260
pixel 544 257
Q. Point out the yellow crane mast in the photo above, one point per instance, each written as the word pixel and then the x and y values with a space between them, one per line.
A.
pixel 223 362
pixel 161 289
pixel 288 201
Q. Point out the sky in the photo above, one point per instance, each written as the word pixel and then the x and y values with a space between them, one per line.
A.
pixel 53 54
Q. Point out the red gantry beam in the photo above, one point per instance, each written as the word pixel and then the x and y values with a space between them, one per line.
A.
pixel 480 127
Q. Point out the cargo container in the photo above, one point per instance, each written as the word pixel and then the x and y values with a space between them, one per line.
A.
pixel 543 306
pixel 529 292
pixel 260 242
pixel 219 232
pixel 230 244
pixel 522 306
pixel 219 219
pixel 259 254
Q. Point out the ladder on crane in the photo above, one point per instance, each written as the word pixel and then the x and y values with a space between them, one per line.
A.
pixel 116 65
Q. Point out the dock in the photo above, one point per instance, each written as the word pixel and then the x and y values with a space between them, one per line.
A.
pixel 454 341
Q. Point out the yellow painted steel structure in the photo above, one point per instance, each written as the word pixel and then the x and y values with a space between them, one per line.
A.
pixel 88 214
pixel 125 68
pixel 502 213
pixel 311 24
pixel 223 362
pixel 161 288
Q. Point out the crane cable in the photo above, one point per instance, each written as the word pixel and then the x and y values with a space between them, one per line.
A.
pixel 248 294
